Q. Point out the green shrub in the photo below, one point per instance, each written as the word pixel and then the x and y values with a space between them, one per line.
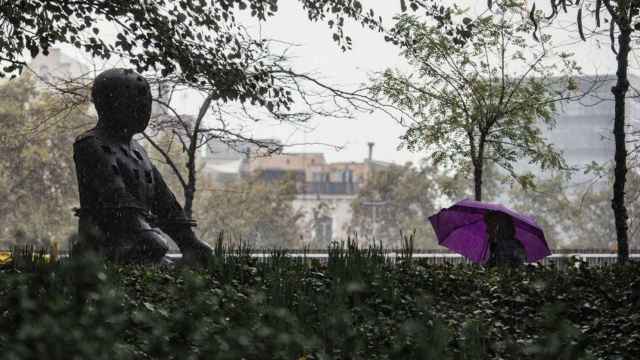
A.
pixel 358 305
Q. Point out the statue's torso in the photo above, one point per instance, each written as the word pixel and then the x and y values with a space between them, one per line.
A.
pixel 127 162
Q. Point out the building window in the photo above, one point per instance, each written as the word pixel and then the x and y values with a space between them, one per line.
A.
pixel 324 229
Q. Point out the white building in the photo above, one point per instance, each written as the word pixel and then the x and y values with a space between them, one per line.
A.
pixel 57 67
pixel 226 160
pixel 326 217
pixel 325 191
pixel 584 128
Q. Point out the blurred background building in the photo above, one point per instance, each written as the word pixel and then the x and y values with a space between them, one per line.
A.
pixel 584 128
pixel 324 191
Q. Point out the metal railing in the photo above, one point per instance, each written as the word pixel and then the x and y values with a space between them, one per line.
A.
pixel 557 259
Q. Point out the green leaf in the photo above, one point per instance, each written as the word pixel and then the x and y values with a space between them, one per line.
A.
pixel 149 306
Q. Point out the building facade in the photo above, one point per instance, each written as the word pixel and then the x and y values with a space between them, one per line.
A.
pixel 584 128
pixel 225 161
pixel 324 191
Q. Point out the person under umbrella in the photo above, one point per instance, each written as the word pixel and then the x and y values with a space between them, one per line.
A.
pixel 487 233
pixel 504 248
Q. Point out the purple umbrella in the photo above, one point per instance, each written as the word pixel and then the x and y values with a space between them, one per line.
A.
pixel 462 229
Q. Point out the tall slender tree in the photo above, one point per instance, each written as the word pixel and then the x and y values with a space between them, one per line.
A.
pixel 479 100
pixel 622 17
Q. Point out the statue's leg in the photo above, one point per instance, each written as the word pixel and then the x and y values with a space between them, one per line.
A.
pixel 149 246
pixel 90 239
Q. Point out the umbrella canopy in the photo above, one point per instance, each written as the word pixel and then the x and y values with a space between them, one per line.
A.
pixel 462 229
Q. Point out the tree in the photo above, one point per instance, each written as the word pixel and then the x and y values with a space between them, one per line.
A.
pixel 37 172
pixel 479 100
pixel 190 136
pixel 228 122
pixel 253 211
pixel 196 37
pixel 623 22
pixel 201 39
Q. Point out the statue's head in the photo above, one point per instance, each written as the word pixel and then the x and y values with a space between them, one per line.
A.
pixel 122 99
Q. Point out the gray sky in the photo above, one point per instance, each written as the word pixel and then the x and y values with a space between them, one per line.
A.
pixel 317 53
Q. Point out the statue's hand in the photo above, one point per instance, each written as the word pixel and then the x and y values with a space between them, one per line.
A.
pixel 197 252
pixel 134 240
pixel 194 251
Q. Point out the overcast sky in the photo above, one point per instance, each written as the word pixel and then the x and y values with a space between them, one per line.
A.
pixel 316 52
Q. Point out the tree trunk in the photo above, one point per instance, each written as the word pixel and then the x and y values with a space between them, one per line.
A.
pixel 189 194
pixel 477 180
pixel 190 189
pixel 478 164
pixel 619 91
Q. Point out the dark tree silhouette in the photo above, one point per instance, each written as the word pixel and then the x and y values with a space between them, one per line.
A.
pixel 622 22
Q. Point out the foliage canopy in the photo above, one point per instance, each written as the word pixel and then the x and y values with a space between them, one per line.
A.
pixel 481 100
pixel 37 173
pixel 202 40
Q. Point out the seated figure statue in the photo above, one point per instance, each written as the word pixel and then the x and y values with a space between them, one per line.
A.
pixel 127 213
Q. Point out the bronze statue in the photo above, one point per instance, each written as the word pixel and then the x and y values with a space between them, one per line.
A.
pixel 127 212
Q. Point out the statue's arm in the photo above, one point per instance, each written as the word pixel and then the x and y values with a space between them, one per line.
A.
pixel 173 221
